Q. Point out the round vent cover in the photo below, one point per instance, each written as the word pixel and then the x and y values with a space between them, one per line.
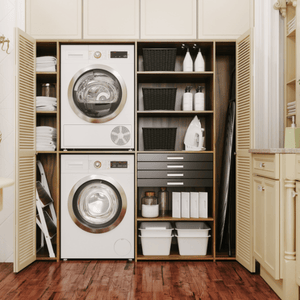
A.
pixel 120 135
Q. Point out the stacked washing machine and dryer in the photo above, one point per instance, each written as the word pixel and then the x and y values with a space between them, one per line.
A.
pixel 97 113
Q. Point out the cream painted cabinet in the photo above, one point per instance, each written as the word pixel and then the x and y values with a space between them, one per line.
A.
pixel 266 224
pixel 113 19
pixel 168 19
pixel 219 19
pixel 53 19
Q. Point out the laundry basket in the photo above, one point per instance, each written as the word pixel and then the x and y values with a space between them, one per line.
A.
pixel 159 98
pixel 159 59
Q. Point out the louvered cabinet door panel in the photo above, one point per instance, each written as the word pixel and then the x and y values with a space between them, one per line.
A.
pixel 244 138
pixel 25 210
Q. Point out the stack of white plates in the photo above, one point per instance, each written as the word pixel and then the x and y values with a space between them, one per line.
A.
pixel 46 64
pixel 44 103
pixel 291 108
pixel 156 238
pixel 192 238
pixel 45 138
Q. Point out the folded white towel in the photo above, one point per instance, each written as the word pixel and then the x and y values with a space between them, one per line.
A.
pixel 45 148
pixel 45 129
pixel 46 58
pixel 46 108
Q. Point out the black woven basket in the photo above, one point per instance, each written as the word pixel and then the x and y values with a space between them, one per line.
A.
pixel 159 98
pixel 159 138
pixel 159 59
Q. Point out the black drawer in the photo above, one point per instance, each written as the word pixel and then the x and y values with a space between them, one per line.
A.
pixel 176 157
pixel 163 165
pixel 175 182
pixel 177 174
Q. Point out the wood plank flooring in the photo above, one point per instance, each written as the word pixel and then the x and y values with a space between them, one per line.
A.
pixel 120 279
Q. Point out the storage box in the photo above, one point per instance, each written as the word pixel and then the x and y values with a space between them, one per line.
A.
pixel 185 205
pixel 159 59
pixel 195 204
pixel 159 138
pixel 156 229
pixel 192 245
pixel 203 209
pixel 192 229
pixel 159 98
pixel 176 205
pixel 156 245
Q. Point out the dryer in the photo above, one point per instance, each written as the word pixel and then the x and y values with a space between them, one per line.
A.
pixel 97 206
pixel 97 96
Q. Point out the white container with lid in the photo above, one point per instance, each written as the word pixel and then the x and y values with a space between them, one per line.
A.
pixel 150 211
pixel 192 229
pixel 156 229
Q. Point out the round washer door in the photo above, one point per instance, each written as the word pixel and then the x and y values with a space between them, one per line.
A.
pixel 97 204
pixel 97 93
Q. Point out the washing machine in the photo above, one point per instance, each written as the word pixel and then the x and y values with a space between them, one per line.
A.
pixel 97 96
pixel 97 206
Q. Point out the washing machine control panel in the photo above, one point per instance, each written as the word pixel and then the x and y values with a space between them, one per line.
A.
pixel 118 164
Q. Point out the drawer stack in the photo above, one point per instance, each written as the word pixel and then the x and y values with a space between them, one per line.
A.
pixel 175 170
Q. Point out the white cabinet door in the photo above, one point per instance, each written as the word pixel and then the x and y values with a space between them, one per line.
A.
pixel 54 19
pixel 266 224
pixel 219 19
pixel 111 19
pixel 168 19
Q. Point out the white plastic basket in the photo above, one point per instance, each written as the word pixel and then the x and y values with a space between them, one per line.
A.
pixel 156 245
pixel 192 229
pixel 192 245
pixel 156 229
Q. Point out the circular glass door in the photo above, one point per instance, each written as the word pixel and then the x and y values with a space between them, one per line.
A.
pixel 97 204
pixel 97 93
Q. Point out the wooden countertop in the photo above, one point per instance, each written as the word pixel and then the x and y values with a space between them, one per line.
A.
pixel 275 151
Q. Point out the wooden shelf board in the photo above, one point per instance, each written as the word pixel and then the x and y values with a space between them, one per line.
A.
pixel 293 81
pixel 174 257
pixel 48 112
pixel 172 152
pixel 170 218
pixel 172 113
pixel 291 115
pixel 46 73
pixel 174 77
pixel 95 152
pixel 46 152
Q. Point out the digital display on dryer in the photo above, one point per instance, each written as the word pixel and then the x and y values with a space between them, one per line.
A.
pixel 118 164
pixel 118 54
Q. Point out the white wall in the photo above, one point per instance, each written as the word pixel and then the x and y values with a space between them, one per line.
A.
pixel 12 14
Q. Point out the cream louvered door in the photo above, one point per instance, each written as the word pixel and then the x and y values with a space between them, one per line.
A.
pixel 244 141
pixel 25 209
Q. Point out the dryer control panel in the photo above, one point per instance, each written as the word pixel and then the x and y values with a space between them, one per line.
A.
pixel 119 164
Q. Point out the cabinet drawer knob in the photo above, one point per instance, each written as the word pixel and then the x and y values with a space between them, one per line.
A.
pixel 262 165
pixel 175 175
pixel 174 157
pixel 260 188
pixel 174 166
pixel 175 183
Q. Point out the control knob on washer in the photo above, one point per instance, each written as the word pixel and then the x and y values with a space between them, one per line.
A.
pixel 97 164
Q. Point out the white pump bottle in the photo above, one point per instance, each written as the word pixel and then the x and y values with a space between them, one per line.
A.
pixel 187 62
pixel 199 61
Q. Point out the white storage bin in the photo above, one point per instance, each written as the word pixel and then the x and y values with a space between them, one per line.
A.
pixel 156 229
pixel 156 245
pixel 192 229
pixel 192 245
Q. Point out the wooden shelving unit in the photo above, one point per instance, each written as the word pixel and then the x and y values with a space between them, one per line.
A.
pixel 220 59
pixel 50 159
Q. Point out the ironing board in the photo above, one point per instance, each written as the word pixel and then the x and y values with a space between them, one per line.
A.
pixel 46 223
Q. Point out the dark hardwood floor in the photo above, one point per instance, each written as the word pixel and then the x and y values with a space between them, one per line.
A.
pixel 109 279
